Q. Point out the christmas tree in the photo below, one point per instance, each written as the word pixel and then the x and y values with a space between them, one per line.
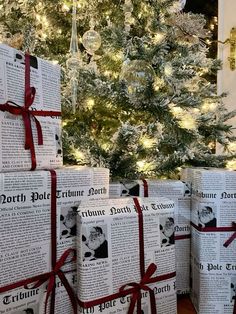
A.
pixel 136 91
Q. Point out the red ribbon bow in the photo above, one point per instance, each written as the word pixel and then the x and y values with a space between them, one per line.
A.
pixel 51 278
pixel 232 238
pixel 27 114
pixel 136 291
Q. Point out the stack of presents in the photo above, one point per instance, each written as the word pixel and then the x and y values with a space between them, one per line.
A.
pixel 72 242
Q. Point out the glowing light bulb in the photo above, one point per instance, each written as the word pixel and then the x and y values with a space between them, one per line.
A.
pixel 107 73
pixel 90 103
pixel 158 38
pixel 168 70
pixel 79 155
pixel 212 26
pixel 141 164
pixel 231 164
pixel 38 17
pixel 116 75
pixel 158 83
pixel 232 146
pixel 188 122
pixel 209 106
pixel 176 111
pixel 196 110
pixel 44 19
pixel 105 146
pixel 65 7
pixel 147 142
pixel 212 145
pixel 44 35
pixel 119 56
pixel 64 123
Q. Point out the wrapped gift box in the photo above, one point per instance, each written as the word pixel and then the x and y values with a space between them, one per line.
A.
pixel 31 301
pixel 108 239
pixel 45 77
pixel 25 217
pixel 179 192
pixel 213 260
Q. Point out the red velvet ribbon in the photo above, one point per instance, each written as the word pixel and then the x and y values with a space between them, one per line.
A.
pixel 56 266
pixel 136 292
pixel 233 236
pixel 37 281
pixel 146 278
pixel 182 237
pixel 145 188
pixel 27 114
pixel 51 278
pixel 226 244
pixel 214 229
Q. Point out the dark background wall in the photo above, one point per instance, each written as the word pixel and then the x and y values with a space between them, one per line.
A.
pixel 210 9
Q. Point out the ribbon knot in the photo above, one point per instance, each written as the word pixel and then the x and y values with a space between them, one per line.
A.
pixel 232 237
pixel 51 278
pixel 136 290
pixel 30 94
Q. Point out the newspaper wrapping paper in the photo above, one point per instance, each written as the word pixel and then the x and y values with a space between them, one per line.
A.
pixel 179 192
pixel 213 265
pixel 108 253
pixel 45 78
pixel 31 301
pixel 25 229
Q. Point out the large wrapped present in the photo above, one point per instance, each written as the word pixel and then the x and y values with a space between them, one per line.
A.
pixel 32 301
pixel 179 192
pixel 121 263
pixel 213 246
pixel 30 109
pixel 38 227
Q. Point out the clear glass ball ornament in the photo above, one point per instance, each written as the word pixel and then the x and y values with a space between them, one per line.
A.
pixel 72 63
pixel 137 74
pixel 91 41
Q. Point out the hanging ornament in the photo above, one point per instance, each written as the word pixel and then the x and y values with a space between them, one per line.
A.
pixel 128 9
pixel 92 41
pixel 177 6
pixel 182 4
pixel 74 62
pixel 137 74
